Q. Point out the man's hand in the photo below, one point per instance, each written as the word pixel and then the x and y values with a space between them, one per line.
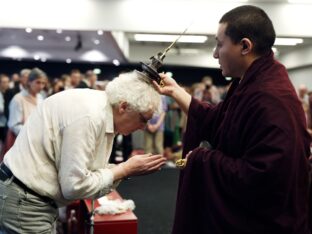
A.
pixel 143 164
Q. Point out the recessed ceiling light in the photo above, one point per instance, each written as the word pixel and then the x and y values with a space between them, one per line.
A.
pixel 96 41
pixel 68 60
pixel 43 60
pixel 28 30
pixel 116 62
pixel 170 38
pixel 36 57
pixel 14 52
pixel 40 38
pixel 97 71
pixel 59 31
pixel 94 56
pixel 67 38
pixel 100 32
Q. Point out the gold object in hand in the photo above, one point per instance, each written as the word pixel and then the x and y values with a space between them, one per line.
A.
pixel 181 163
pixel 161 83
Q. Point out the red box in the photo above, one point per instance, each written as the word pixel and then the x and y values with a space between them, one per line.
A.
pixel 125 223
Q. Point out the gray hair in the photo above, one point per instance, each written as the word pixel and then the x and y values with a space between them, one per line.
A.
pixel 134 89
pixel 25 72
pixel 35 74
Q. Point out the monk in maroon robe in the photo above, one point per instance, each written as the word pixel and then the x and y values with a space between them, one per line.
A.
pixel 255 178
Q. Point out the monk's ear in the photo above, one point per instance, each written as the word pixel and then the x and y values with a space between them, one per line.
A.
pixel 246 46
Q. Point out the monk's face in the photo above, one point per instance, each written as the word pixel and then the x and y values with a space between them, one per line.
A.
pixel 229 54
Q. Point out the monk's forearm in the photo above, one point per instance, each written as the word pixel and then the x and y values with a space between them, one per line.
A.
pixel 183 98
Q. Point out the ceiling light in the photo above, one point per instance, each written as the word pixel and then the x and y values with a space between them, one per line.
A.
pixel 116 62
pixel 28 30
pixel 67 38
pixel 299 1
pixel 14 52
pixel 96 41
pixel 287 41
pixel 68 60
pixel 234 1
pixel 43 60
pixel 228 78
pixel 59 31
pixel 170 38
pixel 36 57
pixel 100 32
pixel 40 38
pixel 97 71
pixel 94 56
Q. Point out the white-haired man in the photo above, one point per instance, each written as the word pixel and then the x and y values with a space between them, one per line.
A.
pixel 62 152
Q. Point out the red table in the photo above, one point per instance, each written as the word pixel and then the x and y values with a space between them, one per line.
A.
pixel 125 223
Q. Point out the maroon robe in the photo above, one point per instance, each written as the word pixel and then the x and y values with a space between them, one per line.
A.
pixel 255 178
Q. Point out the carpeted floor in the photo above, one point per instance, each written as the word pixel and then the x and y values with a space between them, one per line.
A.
pixel 154 196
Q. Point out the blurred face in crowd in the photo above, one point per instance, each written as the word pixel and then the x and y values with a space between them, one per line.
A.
pixel 4 83
pixel 58 86
pixel 37 85
pixel 128 121
pixel 93 79
pixel 23 80
pixel 228 54
pixel 75 79
pixel 15 77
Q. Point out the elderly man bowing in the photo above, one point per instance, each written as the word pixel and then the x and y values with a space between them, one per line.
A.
pixel 62 152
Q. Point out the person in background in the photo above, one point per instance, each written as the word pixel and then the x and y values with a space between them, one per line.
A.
pixel 210 90
pixel 4 86
pixel 67 81
pixel 15 77
pixel 57 86
pixel 26 101
pixel 91 79
pixel 254 178
pixel 154 132
pixel 76 79
pixel 18 84
pixel 304 98
pixel 62 152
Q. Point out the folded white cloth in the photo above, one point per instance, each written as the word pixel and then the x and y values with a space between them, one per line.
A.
pixel 114 206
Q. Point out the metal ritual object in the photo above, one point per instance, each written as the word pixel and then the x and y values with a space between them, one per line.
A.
pixel 151 70
pixel 180 163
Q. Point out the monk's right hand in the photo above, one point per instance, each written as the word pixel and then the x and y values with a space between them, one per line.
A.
pixel 169 85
